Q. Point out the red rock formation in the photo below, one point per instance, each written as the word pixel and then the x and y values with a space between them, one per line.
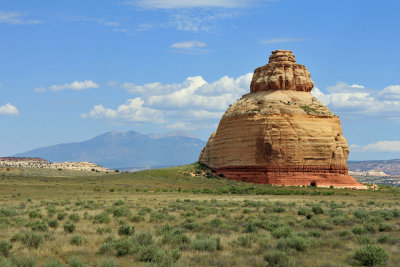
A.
pixel 279 133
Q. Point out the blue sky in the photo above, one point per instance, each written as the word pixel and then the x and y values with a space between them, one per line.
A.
pixel 70 70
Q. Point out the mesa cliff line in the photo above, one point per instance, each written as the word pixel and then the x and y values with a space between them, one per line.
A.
pixel 39 163
pixel 279 133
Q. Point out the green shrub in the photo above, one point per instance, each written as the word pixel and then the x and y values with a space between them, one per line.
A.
pixel 157 217
pixel 175 237
pixel 4 262
pixel 384 238
pixel 35 214
pixel 245 241
pixel 53 223
pixel 314 233
pixel 206 243
pixel 344 233
pixel 106 249
pixel 38 226
pixel 358 230
pixel 51 210
pixel 30 239
pixel 5 248
pixel 101 230
pixel 75 262
pixel 278 209
pixel 384 227
pixel 191 225
pixel 102 218
pixel 76 240
pixel 8 212
pixel 281 232
pixel 143 211
pixel 137 218
pixel 370 227
pixel 317 210
pixel 303 211
pixel 74 217
pixel 61 216
pixel 264 243
pixel 121 212
pixel 69 227
pixel 361 214
pixel 119 202
pixel 370 255
pixel 142 239
pixel 250 228
pixel 276 258
pixel 149 254
pixel 121 247
pixel 342 220
pixel 24 261
pixel 295 242
pixel 216 222
pixel 175 255
pixel 126 230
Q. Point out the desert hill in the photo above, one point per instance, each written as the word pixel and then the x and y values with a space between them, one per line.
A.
pixel 390 167
pixel 125 150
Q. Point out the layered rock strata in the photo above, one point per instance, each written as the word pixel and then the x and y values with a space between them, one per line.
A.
pixel 279 133
pixel 39 163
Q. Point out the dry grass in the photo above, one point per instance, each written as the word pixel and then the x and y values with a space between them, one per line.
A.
pixel 248 225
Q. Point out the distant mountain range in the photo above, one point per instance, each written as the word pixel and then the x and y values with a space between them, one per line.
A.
pixel 390 167
pixel 128 150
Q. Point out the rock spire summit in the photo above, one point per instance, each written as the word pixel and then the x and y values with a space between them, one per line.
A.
pixel 281 73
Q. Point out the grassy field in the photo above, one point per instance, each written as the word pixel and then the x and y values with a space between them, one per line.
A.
pixel 185 216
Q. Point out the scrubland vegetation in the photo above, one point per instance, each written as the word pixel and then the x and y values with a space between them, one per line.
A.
pixel 186 216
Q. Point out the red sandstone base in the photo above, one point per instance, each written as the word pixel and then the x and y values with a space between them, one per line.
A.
pixel 318 176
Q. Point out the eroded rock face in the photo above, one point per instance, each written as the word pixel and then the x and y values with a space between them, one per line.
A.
pixel 279 133
pixel 281 73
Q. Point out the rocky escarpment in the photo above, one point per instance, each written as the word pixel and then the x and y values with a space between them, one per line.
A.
pixel 24 162
pixel 279 133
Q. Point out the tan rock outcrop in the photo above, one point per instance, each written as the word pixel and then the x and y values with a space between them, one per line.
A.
pixel 279 133
pixel 281 73
pixel 41 163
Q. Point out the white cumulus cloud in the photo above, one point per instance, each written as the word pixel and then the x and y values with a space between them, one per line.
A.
pixel 195 92
pixel 380 146
pixel 133 110
pixel 358 101
pixel 8 109
pixel 191 104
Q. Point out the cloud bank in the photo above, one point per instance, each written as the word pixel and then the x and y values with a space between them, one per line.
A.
pixel 192 104
pixel 359 102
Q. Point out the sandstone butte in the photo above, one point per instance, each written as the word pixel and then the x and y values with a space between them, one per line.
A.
pixel 279 133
